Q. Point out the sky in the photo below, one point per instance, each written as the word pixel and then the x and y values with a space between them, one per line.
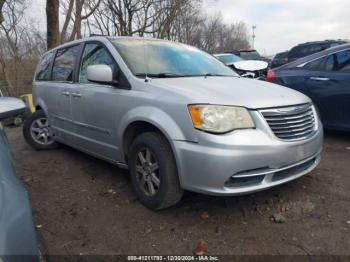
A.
pixel 280 24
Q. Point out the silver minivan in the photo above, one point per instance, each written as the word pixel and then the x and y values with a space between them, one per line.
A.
pixel 175 116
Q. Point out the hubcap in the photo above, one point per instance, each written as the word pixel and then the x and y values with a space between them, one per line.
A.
pixel 147 171
pixel 40 131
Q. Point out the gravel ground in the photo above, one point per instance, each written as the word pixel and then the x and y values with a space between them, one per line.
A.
pixel 83 205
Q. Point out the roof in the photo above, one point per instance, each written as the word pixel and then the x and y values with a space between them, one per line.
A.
pixel 322 42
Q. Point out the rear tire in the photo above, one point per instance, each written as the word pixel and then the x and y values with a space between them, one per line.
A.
pixel 153 171
pixel 37 133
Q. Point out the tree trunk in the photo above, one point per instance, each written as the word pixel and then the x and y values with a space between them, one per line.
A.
pixel 2 2
pixel 53 30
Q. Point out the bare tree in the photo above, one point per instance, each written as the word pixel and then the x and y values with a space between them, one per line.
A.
pixel 20 47
pixel 52 16
pixel 76 12
pixel 178 20
pixel 2 2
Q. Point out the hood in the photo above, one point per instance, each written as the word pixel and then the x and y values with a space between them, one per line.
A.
pixel 250 65
pixel 236 91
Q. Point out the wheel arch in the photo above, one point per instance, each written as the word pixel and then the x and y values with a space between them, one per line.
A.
pixel 145 119
pixel 40 105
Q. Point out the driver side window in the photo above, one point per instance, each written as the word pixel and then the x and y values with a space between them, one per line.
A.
pixel 95 54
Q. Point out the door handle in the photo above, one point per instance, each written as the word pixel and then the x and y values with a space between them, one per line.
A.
pixel 78 95
pixel 65 93
pixel 319 78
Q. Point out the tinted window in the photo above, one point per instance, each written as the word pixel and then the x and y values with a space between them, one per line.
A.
pixel 95 54
pixel 315 49
pixel 343 61
pixel 63 67
pixel 317 65
pixel 280 58
pixel 321 64
pixel 329 64
pixel 250 55
pixel 43 71
pixel 302 51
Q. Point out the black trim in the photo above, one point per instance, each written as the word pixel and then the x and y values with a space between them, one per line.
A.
pixel 123 82
pixel 51 64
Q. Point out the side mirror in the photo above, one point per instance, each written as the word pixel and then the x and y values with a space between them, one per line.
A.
pixel 11 107
pixel 101 74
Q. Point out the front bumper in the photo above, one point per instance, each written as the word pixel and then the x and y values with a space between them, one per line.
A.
pixel 244 161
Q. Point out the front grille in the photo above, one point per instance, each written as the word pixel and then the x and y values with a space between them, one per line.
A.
pixel 291 123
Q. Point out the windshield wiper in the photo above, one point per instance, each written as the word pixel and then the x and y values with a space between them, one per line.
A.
pixel 210 74
pixel 160 75
pixel 172 75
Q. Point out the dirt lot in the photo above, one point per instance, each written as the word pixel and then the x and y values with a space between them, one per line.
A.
pixel 86 206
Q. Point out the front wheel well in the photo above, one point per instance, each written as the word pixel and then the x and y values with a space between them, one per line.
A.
pixel 133 130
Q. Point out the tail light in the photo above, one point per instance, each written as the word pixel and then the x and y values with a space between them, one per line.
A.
pixel 285 61
pixel 271 77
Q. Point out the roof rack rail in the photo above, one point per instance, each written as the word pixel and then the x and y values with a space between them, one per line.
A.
pixel 98 35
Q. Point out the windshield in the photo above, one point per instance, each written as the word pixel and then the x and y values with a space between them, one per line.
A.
pixel 158 58
pixel 250 55
pixel 229 59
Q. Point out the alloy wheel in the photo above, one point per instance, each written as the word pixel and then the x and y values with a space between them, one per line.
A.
pixel 40 131
pixel 147 171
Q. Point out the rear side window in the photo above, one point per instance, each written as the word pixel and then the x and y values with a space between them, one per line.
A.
pixel 321 64
pixel 316 65
pixel 63 68
pixel 302 51
pixel 329 64
pixel 343 61
pixel 43 72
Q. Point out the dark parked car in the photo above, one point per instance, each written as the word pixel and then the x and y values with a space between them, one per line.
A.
pixel 279 59
pixel 310 48
pixel 248 54
pixel 325 78
pixel 17 233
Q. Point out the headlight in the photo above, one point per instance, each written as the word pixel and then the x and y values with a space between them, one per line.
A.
pixel 220 119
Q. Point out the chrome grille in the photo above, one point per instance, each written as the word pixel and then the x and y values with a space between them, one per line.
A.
pixel 291 123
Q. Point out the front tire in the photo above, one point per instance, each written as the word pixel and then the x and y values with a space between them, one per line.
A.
pixel 153 171
pixel 37 133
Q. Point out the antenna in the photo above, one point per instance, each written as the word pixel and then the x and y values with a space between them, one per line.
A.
pixel 145 59
pixel 253 36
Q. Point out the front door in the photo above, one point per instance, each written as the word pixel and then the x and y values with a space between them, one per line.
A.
pixel 95 106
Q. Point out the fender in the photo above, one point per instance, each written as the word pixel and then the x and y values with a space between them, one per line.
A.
pixel 40 102
pixel 157 117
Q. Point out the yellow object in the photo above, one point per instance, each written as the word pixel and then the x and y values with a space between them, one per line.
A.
pixel 196 112
pixel 28 100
